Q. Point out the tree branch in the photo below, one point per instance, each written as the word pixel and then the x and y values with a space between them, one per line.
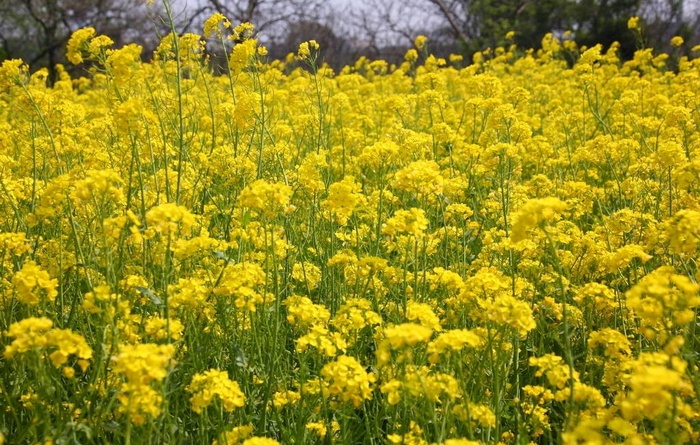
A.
pixel 449 16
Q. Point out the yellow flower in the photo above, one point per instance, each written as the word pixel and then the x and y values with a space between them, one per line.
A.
pixel 319 428
pixel 98 44
pixel 234 436
pixel 423 314
pixel 143 363
pixel 211 25
pixel 309 172
pixel 139 402
pixel 553 367
pixel 68 372
pixel 260 441
pixel 586 430
pixel 212 383
pixel 170 219
pixel 161 329
pixel 535 213
pixel 392 389
pixel 306 49
pixel 101 296
pixel 420 42
pixel 656 383
pixel 597 296
pixel 353 315
pixel 123 62
pixel 344 198
pixel 98 187
pixel 411 222
pixel 423 384
pixel 683 231
pixel 67 343
pixel 38 333
pixel 411 56
pixel 33 284
pixel 453 340
pixel 12 72
pixel 303 313
pixel 283 398
pixel 456 58
pixel 476 413
pixel 633 23
pixel 422 178
pixel 307 273
pixel 345 380
pixel 616 344
pixel 398 337
pixel 677 41
pixel 78 43
pixel 268 199
pixel 509 311
pixel 28 334
pixel 461 442
pixel 244 282
pixel 320 338
pixel 189 295
pixel 243 31
pixel 622 257
pixel 663 299
pixel 242 56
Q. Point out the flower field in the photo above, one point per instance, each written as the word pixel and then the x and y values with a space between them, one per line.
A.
pixel 431 253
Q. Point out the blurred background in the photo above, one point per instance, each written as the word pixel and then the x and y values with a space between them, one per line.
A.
pixel 37 30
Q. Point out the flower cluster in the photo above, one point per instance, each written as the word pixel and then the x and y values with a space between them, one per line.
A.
pixel 214 383
pixel 141 366
pixel 38 334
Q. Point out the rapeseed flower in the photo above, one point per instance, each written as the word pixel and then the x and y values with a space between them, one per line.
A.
pixel 170 219
pixel 663 299
pixel 412 222
pixel 346 381
pixel 633 23
pixel 535 213
pixel 32 284
pixel 677 41
pixel 453 340
pixel 212 25
pixel 141 365
pixel 12 72
pixel 214 383
pixel 268 199
pixel 78 43
pixel 323 340
pixel 304 313
pixel 344 198
pixel 307 48
pixel 234 436
pixel 395 338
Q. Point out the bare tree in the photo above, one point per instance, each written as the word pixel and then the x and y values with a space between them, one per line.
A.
pixel 667 18
pixel 37 30
pixel 272 18
pixel 386 29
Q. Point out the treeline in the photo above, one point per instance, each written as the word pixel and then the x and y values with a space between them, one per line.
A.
pixel 37 30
